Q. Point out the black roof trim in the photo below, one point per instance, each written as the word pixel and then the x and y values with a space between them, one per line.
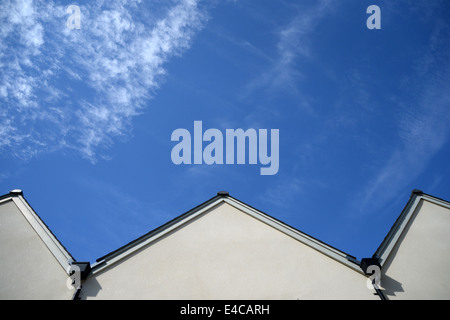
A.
pixel 349 257
pixel 160 228
pixel 414 193
pixel 220 194
pixel 17 192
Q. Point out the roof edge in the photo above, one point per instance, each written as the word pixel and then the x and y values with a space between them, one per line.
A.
pixel 157 230
pixel 223 196
pixel 392 237
pixel 56 248
pixel 306 239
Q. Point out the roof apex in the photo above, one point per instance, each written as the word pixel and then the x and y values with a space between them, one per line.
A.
pixel 16 192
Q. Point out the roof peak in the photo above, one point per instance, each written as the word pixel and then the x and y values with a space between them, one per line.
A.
pixel 17 192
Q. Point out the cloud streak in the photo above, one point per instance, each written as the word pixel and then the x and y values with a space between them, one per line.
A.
pixel 422 121
pixel 80 89
pixel 293 46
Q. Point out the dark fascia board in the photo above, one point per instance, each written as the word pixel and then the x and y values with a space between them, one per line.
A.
pixel 157 230
pixel 350 257
pixel 11 194
pixel 129 246
pixel 384 249
pixel 17 193
pixel 367 262
pixel 85 268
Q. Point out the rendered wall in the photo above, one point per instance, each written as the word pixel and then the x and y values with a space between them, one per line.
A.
pixel 419 264
pixel 226 254
pixel 28 269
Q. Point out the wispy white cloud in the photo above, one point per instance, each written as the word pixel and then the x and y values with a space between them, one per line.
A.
pixel 293 46
pixel 284 192
pixel 422 135
pixel 79 89
pixel 422 122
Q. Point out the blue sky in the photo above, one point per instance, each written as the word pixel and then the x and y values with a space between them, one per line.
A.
pixel 86 115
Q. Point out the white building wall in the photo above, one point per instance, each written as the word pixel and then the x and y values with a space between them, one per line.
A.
pixel 28 268
pixel 227 254
pixel 418 267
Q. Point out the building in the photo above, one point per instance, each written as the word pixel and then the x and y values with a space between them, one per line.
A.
pixel 34 263
pixel 225 249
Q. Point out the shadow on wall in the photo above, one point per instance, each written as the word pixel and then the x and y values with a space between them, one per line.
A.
pixel 91 289
pixel 390 286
